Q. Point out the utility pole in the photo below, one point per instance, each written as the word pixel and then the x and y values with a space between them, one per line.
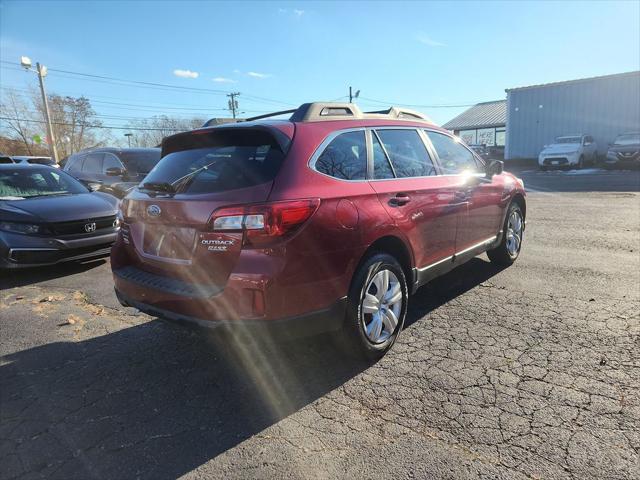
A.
pixel 233 103
pixel 129 135
pixel 41 71
pixel 352 96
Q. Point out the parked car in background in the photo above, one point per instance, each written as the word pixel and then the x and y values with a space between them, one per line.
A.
pixel 480 149
pixel 569 151
pixel 328 229
pixel 35 160
pixel 624 151
pixel 112 170
pixel 47 217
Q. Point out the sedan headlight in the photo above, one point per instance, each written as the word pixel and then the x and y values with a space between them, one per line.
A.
pixel 24 228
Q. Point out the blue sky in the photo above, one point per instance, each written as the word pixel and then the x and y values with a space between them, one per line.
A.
pixel 287 53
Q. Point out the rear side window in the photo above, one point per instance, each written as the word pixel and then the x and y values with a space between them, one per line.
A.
pixel 110 161
pixel 407 153
pixel 345 157
pixel 381 165
pixel 454 157
pixel 93 163
pixel 74 164
pixel 219 161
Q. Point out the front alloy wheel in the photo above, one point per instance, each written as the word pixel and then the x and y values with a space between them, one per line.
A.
pixel 509 247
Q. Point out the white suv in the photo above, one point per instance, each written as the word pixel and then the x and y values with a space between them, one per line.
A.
pixel 567 151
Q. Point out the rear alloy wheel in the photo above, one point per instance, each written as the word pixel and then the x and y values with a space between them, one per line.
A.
pixel 509 248
pixel 377 306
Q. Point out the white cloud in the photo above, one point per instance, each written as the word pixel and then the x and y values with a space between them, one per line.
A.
pixel 282 10
pixel 236 71
pixel 185 73
pixel 298 13
pixel 426 40
pixel 223 80
pixel 259 75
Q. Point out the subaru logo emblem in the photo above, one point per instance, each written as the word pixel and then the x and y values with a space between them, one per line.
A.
pixel 154 210
pixel 90 227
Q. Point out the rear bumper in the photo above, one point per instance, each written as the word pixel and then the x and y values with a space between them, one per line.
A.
pixel 312 323
pixel 24 251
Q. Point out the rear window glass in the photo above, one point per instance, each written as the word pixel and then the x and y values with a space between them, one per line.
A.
pixel 220 161
pixel 345 157
pixel 141 161
pixel 41 161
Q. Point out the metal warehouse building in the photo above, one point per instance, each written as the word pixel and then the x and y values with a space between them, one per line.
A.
pixel 602 107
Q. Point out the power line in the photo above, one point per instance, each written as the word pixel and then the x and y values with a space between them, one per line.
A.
pixel 113 127
pixel 107 79
pixel 385 102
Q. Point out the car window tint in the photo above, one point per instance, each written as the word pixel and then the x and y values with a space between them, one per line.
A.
pixel 223 160
pixel 93 163
pixel 345 157
pixel 110 161
pixel 454 157
pixel 381 166
pixel 407 153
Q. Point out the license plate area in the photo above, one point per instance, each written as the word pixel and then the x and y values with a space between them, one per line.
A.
pixel 176 243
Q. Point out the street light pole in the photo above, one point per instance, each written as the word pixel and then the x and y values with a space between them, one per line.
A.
pixel 41 71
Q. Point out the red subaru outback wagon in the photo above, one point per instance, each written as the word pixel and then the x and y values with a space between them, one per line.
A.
pixel 326 221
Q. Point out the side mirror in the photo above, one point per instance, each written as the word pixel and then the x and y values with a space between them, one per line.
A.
pixel 92 186
pixel 114 171
pixel 495 167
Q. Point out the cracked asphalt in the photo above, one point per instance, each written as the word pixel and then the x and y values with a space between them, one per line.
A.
pixel 528 372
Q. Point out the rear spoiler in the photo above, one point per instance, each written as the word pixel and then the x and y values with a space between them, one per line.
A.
pixel 177 142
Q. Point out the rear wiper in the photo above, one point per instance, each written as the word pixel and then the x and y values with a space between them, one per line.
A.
pixel 159 187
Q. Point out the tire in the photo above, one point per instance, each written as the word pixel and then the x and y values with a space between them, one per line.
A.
pixel 544 168
pixel 581 162
pixel 359 318
pixel 505 254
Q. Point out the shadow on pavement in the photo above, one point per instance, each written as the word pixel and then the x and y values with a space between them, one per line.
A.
pixel 158 400
pixel 30 276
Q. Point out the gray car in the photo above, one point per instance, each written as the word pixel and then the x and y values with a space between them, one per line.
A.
pixel 47 217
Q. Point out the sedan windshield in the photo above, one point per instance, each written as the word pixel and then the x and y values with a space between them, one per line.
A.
pixel 630 139
pixel 568 140
pixel 20 183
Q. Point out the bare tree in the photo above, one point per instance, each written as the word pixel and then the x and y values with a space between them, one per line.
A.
pixel 149 132
pixel 18 122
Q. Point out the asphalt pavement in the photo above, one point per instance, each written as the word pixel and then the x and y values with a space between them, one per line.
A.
pixel 532 371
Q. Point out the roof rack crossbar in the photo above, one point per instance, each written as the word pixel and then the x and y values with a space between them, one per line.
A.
pixel 273 114
pixel 319 111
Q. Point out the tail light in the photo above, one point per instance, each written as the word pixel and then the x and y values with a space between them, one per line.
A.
pixel 264 223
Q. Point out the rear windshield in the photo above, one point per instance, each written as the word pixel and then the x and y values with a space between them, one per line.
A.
pixel 217 162
pixel 20 183
pixel 141 161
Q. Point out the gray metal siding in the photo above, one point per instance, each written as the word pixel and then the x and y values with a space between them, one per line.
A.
pixel 601 107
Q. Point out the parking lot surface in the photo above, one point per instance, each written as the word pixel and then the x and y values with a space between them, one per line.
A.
pixel 527 372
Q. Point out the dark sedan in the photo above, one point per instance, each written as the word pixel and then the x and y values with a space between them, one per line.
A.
pixel 47 217
pixel 625 151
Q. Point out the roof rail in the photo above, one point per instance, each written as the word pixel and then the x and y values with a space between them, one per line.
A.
pixel 321 111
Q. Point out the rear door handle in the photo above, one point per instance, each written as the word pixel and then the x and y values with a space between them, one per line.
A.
pixel 399 200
